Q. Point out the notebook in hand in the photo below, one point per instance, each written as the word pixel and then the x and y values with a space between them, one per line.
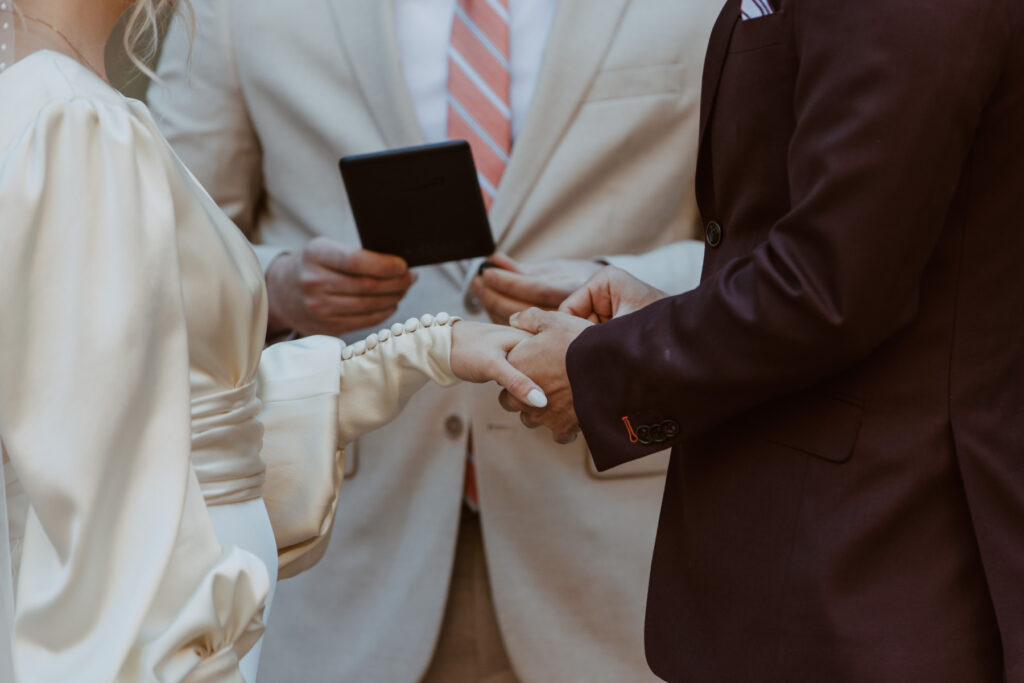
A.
pixel 421 203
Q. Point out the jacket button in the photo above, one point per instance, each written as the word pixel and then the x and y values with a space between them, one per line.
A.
pixel 713 234
pixel 472 304
pixel 454 426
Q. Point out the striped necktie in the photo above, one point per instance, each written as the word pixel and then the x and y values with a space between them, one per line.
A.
pixel 479 112
pixel 478 87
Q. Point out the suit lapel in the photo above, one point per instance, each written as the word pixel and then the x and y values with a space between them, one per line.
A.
pixel 580 36
pixel 366 29
pixel 718 47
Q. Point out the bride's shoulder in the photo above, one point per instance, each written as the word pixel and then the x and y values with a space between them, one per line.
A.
pixel 46 88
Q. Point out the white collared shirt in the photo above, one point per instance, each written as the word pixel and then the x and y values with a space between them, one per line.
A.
pixel 423 27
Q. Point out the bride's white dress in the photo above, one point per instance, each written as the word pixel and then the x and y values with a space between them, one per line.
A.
pixel 135 392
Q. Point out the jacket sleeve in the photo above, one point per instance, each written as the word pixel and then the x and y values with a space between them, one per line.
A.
pixel 319 395
pixel 885 113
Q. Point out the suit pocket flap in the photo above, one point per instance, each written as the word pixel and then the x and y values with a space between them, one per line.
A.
pixel 823 426
pixel 638 81
pixel 655 464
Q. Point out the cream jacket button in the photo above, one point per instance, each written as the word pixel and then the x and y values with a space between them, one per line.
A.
pixel 473 305
pixel 454 426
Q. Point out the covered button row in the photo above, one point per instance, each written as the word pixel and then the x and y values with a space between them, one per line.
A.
pixel 397 330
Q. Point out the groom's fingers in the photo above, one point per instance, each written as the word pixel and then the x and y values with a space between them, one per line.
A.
pixel 580 304
pixel 510 402
pixel 532 320
pixel 593 301
pixel 567 437
pixel 529 423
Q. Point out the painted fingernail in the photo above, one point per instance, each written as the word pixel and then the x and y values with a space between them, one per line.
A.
pixel 537 398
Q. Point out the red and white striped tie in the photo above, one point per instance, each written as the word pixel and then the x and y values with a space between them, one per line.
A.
pixel 478 87
pixel 479 112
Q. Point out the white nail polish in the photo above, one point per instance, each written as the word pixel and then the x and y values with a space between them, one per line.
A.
pixel 537 398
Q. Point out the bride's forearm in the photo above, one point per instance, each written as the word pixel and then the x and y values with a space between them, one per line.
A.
pixel 381 373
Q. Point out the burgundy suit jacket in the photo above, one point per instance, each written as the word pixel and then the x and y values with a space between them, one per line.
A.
pixel 845 390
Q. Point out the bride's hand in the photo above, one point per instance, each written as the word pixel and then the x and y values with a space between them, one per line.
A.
pixel 480 354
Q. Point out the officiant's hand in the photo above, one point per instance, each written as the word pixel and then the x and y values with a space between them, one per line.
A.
pixel 329 288
pixel 480 354
pixel 542 357
pixel 610 293
pixel 511 286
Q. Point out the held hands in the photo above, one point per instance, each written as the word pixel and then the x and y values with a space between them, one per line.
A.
pixel 542 357
pixel 480 354
pixel 608 294
pixel 512 287
pixel 329 288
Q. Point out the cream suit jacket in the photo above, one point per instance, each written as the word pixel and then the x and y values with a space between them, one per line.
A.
pixel 275 93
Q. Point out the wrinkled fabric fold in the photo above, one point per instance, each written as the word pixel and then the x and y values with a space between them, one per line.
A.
pixel 121 577
pixel 226 442
pixel 314 403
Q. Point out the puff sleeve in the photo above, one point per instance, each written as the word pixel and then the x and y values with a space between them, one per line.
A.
pixel 121 576
pixel 319 395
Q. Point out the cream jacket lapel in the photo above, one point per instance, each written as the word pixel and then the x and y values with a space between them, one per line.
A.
pixel 581 35
pixel 366 29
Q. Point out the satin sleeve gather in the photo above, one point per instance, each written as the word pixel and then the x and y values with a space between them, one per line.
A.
pixel 120 574
pixel 320 394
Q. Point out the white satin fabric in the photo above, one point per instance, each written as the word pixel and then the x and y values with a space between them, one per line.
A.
pixel 133 399
pixel 319 395
pixel 246 525
pixel 126 300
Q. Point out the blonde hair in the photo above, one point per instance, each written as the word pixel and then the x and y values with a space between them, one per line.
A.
pixel 142 29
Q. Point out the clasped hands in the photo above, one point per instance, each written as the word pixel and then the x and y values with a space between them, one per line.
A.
pixel 533 370
pixel 328 288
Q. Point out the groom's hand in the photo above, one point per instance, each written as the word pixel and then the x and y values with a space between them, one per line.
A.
pixel 610 293
pixel 542 358
pixel 329 288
